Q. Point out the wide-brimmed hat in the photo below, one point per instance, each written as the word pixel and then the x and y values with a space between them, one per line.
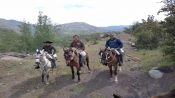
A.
pixel 75 36
pixel 48 42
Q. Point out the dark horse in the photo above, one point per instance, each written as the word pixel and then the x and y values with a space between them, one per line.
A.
pixel 72 59
pixel 170 94
pixel 111 59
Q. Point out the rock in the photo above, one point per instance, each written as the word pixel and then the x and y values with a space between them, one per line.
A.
pixel 156 74
pixel 133 44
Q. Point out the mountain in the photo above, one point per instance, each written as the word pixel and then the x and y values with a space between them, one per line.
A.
pixel 68 28
pixel 78 28
pixel 114 28
pixel 10 24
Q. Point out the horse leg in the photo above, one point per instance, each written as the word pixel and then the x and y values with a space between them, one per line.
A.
pixel 110 69
pixel 72 69
pixel 87 62
pixel 47 76
pixel 42 77
pixel 115 73
pixel 78 74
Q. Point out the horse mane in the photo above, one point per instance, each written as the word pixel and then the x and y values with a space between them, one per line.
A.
pixel 74 50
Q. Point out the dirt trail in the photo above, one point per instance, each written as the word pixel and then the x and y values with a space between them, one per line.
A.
pixel 133 83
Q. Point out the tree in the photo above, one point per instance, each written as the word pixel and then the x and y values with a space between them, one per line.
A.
pixel 44 30
pixel 147 33
pixel 26 37
pixel 9 40
pixel 169 25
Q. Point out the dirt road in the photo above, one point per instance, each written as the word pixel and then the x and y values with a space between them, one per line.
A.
pixel 20 80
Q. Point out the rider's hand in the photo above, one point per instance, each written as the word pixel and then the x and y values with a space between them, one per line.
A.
pixel 108 48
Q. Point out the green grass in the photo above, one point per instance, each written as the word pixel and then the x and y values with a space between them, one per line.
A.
pixel 153 58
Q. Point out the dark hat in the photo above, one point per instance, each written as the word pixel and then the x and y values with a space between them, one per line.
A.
pixel 75 36
pixel 48 42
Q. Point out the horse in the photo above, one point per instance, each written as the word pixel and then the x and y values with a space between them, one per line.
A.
pixel 170 94
pixel 85 59
pixel 72 59
pixel 111 59
pixel 42 59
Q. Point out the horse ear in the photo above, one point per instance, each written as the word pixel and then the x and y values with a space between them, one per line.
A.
pixel 64 49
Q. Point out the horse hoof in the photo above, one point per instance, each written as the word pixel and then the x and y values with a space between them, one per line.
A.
pixel 73 80
pixel 111 79
pixel 116 80
pixel 120 69
pixel 78 82
pixel 47 83
pixel 80 72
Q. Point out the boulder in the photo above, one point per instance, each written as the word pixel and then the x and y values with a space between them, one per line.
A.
pixel 156 74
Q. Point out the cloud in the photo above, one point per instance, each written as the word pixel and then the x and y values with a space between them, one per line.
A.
pixel 95 12
pixel 76 6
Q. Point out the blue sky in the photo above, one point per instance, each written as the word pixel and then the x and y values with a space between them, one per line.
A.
pixel 94 12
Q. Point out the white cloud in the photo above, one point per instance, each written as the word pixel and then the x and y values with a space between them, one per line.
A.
pixel 95 12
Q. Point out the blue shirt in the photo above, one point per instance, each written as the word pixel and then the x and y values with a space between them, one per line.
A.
pixel 114 43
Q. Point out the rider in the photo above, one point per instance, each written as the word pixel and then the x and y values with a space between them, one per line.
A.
pixel 51 50
pixel 115 43
pixel 79 45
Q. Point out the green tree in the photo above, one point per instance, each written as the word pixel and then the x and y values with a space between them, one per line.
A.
pixel 44 30
pixel 26 37
pixel 9 40
pixel 147 33
pixel 169 27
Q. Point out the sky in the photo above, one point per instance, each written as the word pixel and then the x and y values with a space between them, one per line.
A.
pixel 93 12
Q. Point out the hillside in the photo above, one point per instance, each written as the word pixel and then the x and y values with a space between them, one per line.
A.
pixel 10 24
pixel 78 28
pixel 114 28
pixel 69 28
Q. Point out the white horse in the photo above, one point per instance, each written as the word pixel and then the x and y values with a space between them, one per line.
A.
pixel 44 64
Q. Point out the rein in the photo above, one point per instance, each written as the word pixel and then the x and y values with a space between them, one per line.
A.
pixel 110 60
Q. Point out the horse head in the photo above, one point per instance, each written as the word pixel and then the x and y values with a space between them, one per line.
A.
pixel 107 54
pixel 69 54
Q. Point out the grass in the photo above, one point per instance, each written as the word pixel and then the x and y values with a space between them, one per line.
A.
pixel 153 58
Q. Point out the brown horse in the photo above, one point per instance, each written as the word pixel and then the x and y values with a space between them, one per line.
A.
pixel 170 94
pixel 111 59
pixel 72 59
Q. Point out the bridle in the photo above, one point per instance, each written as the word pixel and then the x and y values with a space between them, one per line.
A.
pixel 69 55
pixel 109 57
pixel 106 55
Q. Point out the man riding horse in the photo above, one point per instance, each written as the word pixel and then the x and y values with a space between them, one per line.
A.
pixel 116 44
pixel 79 45
pixel 52 51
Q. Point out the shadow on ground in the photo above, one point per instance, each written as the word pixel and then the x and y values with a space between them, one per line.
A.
pixel 35 83
pixel 100 80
